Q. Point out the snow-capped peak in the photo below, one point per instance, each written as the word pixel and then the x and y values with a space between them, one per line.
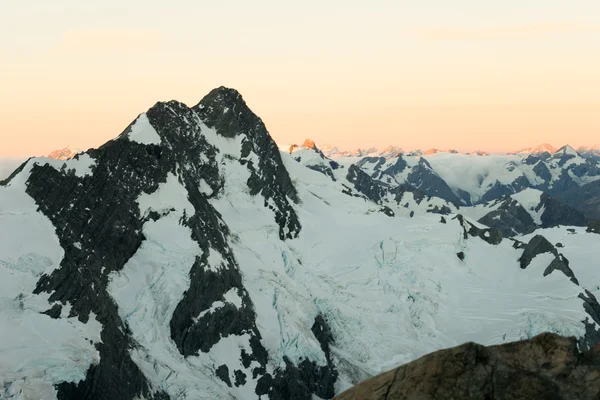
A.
pixel 309 143
pixel 63 154
pixel 541 148
pixel 566 150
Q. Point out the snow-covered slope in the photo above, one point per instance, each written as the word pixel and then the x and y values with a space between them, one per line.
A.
pixel 191 259
pixel 8 165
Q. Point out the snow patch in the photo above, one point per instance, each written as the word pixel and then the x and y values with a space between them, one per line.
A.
pixel 143 132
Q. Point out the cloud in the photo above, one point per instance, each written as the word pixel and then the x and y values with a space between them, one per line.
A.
pixel 503 31
pixel 109 40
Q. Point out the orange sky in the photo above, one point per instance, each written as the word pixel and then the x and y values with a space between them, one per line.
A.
pixel 464 74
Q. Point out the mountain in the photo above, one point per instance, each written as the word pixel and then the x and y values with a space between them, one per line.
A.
pixel 475 179
pixel 387 152
pixel 191 258
pixel 539 149
pixel 524 212
pixel 63 154
pixel 544 367
pixel 585 198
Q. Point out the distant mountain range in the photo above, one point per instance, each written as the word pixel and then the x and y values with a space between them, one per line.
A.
pixel 392 151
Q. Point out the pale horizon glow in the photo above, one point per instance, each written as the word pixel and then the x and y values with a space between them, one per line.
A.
pixel 467 75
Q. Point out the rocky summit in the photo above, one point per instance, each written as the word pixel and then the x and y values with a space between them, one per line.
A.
pixel 191 258
pixel 545 367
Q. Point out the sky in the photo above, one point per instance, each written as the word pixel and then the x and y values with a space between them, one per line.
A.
pixel 462 74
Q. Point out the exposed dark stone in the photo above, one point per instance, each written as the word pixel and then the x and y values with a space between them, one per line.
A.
pixel 412 214
pixel 537 245
pixel 398 166
pixel 490 235
pixel 445 210
pixel 464 196
pixel 325 170
pixel 387 211
pixel 556 213
pixel 499 190
pixel 240 378
pixel 223 373
pixel 225 110
pixel 531 159
pixel 545 367
pixel 585 199
pixel 366 185
pixel 517 244
pixel 378 161
pixel 593 227
pixel 542 171
pixel 54 312
pixel 442 220
pixel 510 218
pixel 562 264
pixel 592 308
pixel 430 183
pixel 298 382
pixel 460 255
pixel 563 184
pixel 103 217
pixel 559 245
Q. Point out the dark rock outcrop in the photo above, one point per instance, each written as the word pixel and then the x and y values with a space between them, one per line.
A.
pixel 510 219
pixel 537 245
pixel 556 213
pixel 366 185
pixel 585 199
pixel 490 235
pixel 499 190
pixel 226 111
pixel 425 179
pixel 547 366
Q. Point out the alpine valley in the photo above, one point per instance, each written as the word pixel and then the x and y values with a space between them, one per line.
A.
pixel 193 258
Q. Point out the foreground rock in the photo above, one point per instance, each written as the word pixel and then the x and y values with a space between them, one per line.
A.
pixel 545 367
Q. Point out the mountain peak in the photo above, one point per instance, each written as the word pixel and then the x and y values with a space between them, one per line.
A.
pixel 225 110
pixel 567 150
pixel 310 144
pixel 63 154
pixel 541 148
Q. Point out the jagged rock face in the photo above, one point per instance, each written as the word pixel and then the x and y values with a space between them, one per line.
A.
pixel 537 245
pixel 556 213
pixel 490 235
pixel 399 166
pixel 545 367
pixel 102 227
pixel 364 184
pixel 585 199
pixel 500 190
pixel 425 179
pixel 510 219
pixel 225 110
pixel 104 220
